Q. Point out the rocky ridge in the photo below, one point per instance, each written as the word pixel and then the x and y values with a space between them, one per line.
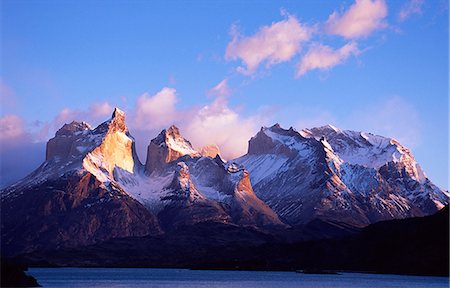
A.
pixel 92 186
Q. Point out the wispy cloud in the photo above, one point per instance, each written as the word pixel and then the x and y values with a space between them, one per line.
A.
pixel 324 57
pixel 359 21
pixel 220 90
pixel 272 44
pixel 412 7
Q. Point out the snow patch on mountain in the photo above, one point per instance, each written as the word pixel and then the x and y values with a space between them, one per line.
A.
pixel 367 149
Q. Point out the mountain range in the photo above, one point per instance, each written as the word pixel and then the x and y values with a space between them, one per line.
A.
pixel 92 187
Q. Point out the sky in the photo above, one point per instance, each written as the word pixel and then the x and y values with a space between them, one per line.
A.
pixel 222 69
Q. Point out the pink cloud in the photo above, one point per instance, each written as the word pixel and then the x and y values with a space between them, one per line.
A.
pixel 94 114
pixel 220 90
pixel 12 127
pixel 219 124
pixel 360 20
pixel 412 7
pixel 153 111
pixel 214 123
pixel 324 57
pixel 272 44
pixel 100 109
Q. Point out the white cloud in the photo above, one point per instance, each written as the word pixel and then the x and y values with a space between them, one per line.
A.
pixel 410 8
pixel 272 44
pixel 360 20
pixel 214 123
pixel 100 109
pixel 219 124
pixel 155 111
pixel 324 57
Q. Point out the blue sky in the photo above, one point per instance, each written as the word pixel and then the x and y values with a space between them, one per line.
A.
pixel 222 69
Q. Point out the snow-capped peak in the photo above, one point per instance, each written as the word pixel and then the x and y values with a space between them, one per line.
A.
pixel 168 146
pixel 118 112
pixel 172 139
pixel 73 128
pixel 367 149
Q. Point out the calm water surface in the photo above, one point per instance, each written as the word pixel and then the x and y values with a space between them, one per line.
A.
pixel 146 277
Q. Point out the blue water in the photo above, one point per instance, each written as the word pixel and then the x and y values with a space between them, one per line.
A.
pixel 146 277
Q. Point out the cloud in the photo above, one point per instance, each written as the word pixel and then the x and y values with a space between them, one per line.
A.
pixel 19 154
pixel 214 123
pixel 409 9
pixel 157 110
pixel 271 45
pixel 100 109
pixel 220 90
pixel 360 20
pixel 94 114
pixel 219 124
pixel 12 127
pixel 324 57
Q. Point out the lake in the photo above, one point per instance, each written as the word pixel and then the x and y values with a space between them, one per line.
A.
pixel 148 277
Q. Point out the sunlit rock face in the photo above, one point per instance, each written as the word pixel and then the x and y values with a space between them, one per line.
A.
pixel 116 149
pixel 246 207
pixel 168 146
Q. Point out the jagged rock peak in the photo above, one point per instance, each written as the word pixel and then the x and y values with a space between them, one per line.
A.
pixel 72 128
pixel 173 139
pixel 173 131
pixel 168 146
pixel 117 122
pixel 275 140
pixel 328 127
pixel 118 113
pixel 276 126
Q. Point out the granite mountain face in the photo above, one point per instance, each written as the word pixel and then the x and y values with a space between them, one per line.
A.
pixel 92 186
pixel 338 176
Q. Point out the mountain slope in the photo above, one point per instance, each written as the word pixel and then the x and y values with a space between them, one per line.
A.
pixel 338 176
pixel 185 188
pixel 71 199
pixel 299 185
